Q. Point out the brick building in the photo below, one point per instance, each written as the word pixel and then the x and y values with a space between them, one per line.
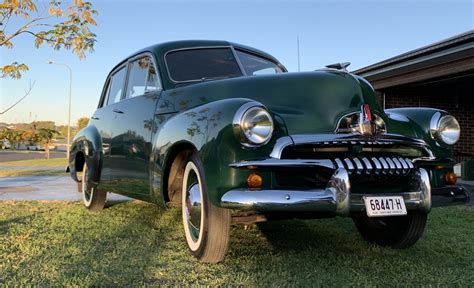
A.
pixel 440 75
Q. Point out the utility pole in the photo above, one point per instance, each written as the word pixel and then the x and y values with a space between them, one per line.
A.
pixel 298 49
pixel 69 108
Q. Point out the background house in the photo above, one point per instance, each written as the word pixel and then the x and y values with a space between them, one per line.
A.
pixel 440 75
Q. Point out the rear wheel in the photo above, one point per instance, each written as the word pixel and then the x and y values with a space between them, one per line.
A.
pixel 93 198
pixel 398 232
pixel 206 227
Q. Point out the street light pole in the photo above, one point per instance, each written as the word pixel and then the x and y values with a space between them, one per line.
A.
pixel 69 109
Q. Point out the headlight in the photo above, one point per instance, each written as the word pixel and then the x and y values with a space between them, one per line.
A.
pixel 445 129
pixel 253 124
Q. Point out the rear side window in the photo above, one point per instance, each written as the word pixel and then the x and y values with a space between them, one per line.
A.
pixel 202 64
pixel 143 78
pixel 114 92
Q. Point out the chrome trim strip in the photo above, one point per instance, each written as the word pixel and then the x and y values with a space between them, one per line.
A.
pixel 358 164
pixel 275 163
pixel 345 139
pixel 339 163
pixel 280 144
pixel 378 166
pixel 367 164
pixel 384 165
pixel 380 138
pixel 403 162
pixel 397 164
pixel 350 166
pixel 391 164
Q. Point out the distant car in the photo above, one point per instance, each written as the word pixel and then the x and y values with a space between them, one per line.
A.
pixel 224 131
pixel 38 147
pixel 35 147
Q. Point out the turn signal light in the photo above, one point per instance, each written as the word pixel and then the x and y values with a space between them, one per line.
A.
pixel 450 178
pixel 254 181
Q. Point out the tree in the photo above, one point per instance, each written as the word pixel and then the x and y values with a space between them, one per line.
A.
pixel 45 136
pixel 43 124
pixel 14 136
pixel 82 123
pixel 60 25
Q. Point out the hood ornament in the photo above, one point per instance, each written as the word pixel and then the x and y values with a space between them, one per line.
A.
pixel 339 66
pixel 366 123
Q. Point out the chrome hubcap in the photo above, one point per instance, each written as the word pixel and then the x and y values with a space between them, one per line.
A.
pixel 192 206
pixel 86 191
pixel 193 209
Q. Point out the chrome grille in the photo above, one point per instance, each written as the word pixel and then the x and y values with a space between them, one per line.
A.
pixel 375 165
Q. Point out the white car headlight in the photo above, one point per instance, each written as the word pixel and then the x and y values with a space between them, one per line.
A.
pixel 253 124
pixel 445 129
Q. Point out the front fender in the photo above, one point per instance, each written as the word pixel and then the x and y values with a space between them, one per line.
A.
pixel 415 122
pixel 87 144
pixel 208 128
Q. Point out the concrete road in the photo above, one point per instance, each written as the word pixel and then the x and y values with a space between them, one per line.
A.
pixel 15 155
pixel 61 188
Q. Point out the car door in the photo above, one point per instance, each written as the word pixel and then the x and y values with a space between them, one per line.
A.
pixel 104 116
pixel 133 128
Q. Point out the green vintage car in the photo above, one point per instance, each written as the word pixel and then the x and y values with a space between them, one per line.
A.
pixel 225 132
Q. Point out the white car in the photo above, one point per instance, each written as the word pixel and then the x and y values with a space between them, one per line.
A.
pixel 5 144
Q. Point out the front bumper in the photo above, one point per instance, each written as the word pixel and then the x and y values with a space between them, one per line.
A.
pixel 338 199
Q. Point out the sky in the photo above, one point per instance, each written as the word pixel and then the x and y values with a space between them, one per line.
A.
pixel 360 32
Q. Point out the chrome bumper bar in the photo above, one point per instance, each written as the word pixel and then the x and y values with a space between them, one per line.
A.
pixel 353 165
pixel 336 197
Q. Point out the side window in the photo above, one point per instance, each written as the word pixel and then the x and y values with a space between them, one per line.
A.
pixel 114 93
pixel 143 78
pixel 256 65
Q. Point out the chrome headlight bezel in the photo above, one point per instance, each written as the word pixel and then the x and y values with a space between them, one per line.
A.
pixel 244 125
pixel 445 129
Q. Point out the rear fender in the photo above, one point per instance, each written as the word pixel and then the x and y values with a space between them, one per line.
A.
pixel 87 144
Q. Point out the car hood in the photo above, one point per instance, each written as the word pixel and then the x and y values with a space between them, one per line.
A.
pixel 308 102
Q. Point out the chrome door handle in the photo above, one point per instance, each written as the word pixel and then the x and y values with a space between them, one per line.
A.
pixel 118 111
pixel 95 118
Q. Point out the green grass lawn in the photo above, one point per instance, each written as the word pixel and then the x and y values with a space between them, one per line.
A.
pixel 37 162
pixel 38 168
pixel 32 172
pixel 53 243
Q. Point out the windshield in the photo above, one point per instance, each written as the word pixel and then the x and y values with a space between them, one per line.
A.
pixel 203 64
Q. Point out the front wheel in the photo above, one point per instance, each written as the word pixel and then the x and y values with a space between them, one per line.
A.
pixel 397 231
pixel 93 198
pixel 206 227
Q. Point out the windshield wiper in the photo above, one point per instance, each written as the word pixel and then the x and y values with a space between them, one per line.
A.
pixel 214 78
